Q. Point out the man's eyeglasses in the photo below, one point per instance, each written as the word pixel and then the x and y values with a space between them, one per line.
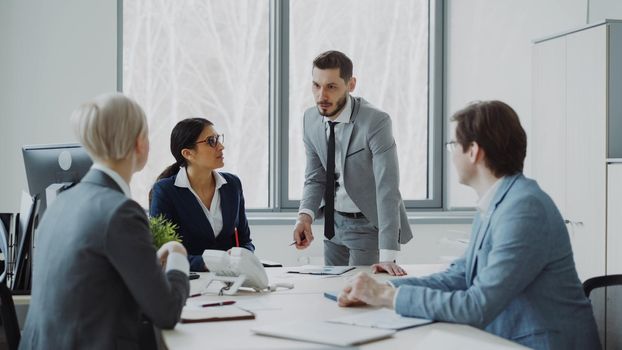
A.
pixel 451 146
pixel 213 140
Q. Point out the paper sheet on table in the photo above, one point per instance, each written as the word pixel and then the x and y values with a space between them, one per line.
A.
pixel 381 318
pixel 320 270
pixel 323 332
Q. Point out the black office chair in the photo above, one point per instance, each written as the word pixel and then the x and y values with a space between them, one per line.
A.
pixel 599 282
pixel 9 318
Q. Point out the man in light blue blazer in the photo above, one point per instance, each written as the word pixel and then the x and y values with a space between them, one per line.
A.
pixel 518 278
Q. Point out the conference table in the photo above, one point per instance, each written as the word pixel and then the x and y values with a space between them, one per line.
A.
pixel 306 302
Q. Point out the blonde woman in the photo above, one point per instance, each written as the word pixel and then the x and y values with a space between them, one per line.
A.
pixel 96 269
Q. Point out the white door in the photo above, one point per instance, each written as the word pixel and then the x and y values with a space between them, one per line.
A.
pixel 614 255
pixel 548 134
pixel 586 103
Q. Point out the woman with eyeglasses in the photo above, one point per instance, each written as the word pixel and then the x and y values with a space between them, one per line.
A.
pixel 206 205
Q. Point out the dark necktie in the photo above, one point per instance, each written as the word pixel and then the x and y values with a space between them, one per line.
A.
pixel 329 193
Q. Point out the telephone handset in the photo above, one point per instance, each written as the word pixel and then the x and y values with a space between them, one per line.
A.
pixel 237 267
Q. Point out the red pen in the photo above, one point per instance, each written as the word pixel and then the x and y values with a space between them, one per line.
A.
pixel 237 239
pixel 196 295
pixel 219 303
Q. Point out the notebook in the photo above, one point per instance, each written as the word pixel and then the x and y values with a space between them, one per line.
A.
pixel 383 319
pixel 323 332
pixel 192 314
pixel 320 270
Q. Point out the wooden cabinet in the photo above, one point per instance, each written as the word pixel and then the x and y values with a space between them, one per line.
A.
pixel 577 117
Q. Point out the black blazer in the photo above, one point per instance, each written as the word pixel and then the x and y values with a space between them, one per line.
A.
pixel 180 206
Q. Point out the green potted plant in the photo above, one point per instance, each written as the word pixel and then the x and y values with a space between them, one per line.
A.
pixel 162 230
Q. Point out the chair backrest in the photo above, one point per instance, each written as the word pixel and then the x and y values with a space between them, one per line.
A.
pixel 9 317
pixel 601 281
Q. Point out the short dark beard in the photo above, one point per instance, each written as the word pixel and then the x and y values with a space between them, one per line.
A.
pixel 340 104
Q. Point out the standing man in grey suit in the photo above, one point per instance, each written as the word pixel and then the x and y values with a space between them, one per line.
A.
pixel 95 268
pixel 517 278
pixel 352 174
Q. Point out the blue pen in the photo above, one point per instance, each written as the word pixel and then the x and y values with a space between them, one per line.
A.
pixel 331 295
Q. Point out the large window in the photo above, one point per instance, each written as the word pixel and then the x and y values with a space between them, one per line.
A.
pixel 246 66
pixel 388 44
pixel 201 58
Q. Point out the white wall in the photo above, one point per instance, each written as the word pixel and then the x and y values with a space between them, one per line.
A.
pixel 489 57
pixel 605 9
pixel 55 55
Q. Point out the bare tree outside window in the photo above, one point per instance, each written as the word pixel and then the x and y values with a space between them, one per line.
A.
pixel 201 58
pixel 211 58
pixel 388 44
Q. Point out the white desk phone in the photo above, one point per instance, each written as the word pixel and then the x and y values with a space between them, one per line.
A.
pixel 237 267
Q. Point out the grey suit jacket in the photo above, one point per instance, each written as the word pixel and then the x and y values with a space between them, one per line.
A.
pixel 517 279
pixel 370 170
pixel 95 271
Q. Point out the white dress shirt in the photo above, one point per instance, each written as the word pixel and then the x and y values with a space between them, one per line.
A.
pixel 174 261
pixel 343 202
pixel 483 203
pixel 214 212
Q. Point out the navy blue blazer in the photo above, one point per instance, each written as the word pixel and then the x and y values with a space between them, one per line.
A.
pixel 180 206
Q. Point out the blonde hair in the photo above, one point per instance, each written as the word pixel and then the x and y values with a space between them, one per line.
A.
pixel 109 125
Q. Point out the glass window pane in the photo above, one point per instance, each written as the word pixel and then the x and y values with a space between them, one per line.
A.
pixel 205 58
pixel 388 44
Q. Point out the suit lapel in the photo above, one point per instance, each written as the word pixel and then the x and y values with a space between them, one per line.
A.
pixel 347 133
pixel 345 142
pixel 482 231
pixel 197 212
pixel 320 138
pixel 227 209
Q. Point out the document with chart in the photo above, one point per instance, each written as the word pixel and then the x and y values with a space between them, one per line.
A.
pixel 381 318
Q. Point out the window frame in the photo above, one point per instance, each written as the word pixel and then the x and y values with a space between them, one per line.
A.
pixel 278 106
pixel 435 106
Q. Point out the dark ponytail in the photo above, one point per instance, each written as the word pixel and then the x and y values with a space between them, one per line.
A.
pixel 184 135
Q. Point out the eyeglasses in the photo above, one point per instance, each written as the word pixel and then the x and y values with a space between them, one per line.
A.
pixel 451 146
pixel 213 140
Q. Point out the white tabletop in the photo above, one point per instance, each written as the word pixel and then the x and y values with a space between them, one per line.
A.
pixel 306 302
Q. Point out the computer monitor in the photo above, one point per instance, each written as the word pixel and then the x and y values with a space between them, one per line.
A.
pixel 58 164
pixel 4 247
pixel 27 221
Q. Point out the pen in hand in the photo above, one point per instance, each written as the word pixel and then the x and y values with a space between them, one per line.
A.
pixel 302 239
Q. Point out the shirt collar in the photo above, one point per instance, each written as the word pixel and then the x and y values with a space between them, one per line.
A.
pixel 182 179
pixel 483 204
pixel 125 187
pixel 345 114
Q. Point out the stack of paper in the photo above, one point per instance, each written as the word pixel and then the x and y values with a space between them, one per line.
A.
pixel 324 332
